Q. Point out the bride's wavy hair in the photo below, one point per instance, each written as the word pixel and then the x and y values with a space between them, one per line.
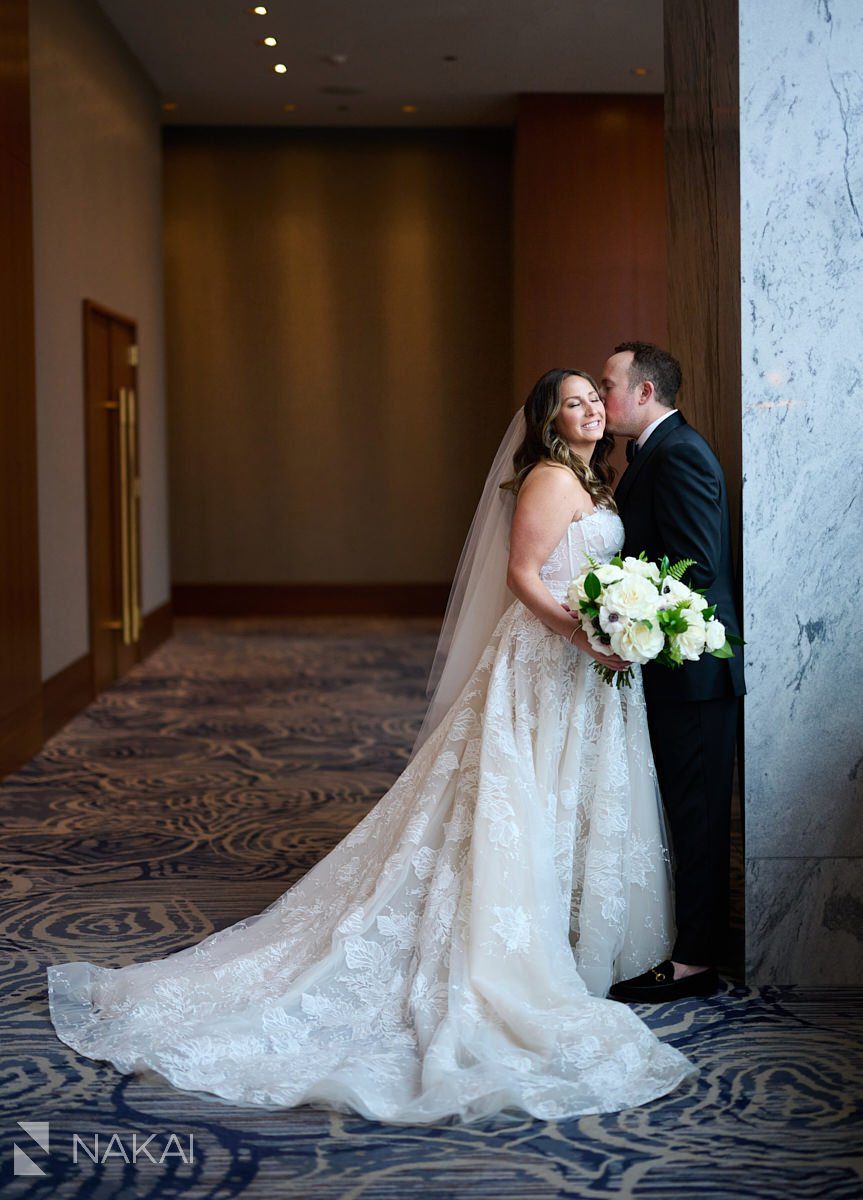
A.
pixel 542 442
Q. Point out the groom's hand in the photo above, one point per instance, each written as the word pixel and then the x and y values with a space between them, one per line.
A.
pixel 612 661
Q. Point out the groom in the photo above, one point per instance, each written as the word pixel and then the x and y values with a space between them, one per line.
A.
pixel 672 500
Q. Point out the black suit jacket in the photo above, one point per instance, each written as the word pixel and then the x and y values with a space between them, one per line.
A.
pixel 672 500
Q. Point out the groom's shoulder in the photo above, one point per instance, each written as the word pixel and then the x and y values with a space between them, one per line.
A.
pixel 684 441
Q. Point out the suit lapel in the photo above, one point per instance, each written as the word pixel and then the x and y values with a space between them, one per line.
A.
pixel 635 468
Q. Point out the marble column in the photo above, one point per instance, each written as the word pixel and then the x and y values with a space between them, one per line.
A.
pixel 801 225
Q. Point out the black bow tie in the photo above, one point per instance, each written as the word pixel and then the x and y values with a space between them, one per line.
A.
pixel 631 449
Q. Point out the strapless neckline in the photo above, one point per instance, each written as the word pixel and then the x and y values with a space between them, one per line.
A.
pixel 596 512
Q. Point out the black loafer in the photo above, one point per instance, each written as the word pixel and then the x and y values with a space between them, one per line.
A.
pixel 658 984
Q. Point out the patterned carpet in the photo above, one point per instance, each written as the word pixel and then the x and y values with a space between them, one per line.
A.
pixel 193 794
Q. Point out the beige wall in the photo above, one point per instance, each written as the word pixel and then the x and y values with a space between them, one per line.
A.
pixel 339 363
pixel 97 234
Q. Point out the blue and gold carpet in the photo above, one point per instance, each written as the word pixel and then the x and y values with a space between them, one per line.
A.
pixel 193 794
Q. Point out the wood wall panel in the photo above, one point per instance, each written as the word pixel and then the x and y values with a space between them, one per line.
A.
pixel 702 156
pixel 15 80
pixel 589 268
pixel 702 153
pixel 20 660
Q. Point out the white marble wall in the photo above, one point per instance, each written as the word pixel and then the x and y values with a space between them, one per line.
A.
pixel 801 162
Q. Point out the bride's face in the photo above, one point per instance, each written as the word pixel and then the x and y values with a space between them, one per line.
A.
pixel 581 420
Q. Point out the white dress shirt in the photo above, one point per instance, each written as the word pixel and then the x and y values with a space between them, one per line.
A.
pixel 645 433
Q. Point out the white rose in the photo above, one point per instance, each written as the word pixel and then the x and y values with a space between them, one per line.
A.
pixel 714 634
pixel 698 602
pixel 605 573
pixel 691 641
pixel 638 566
pixel 638 641
pixel 575 593
pixel 634 596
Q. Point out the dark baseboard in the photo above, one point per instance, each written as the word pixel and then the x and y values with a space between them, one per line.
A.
pixel 157 627
pixel 20 734
pixel 66 693
pixel 309 599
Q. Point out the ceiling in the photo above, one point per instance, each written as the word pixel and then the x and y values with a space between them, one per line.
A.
pixel 202 56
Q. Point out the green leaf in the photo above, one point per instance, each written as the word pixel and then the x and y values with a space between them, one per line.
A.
pixel 663 566
pixel 723 652
pixel 708 612
pixel 617 561
pixel 673 621
pixel 592 587
pixel 734 639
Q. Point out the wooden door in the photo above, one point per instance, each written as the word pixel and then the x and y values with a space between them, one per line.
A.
pixel 113 492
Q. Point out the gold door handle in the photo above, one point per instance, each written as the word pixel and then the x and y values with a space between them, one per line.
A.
pixel 134 517
pixel 125 557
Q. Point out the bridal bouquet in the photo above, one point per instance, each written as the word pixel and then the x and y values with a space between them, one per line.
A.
pixel 642 611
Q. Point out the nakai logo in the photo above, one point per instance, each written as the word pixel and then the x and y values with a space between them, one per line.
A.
pixel 22 1163
pixel 105 1148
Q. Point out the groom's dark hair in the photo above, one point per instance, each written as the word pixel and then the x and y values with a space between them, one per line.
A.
pixel 661 368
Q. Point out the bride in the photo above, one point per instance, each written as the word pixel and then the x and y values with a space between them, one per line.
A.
pixel 449 959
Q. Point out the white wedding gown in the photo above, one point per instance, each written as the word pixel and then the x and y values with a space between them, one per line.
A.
pixel 449 957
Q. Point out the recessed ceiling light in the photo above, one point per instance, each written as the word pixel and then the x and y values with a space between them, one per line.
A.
pixel 169 105
pixel 641 71
pixel 290 107
pixel 336 60
pixel 409 108
pixel 259 10
pixel 280 68
pixel 270 41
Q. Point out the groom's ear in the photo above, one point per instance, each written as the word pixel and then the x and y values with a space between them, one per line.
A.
pixel 646 392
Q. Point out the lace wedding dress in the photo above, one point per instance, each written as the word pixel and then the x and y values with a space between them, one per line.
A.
pixel 449 958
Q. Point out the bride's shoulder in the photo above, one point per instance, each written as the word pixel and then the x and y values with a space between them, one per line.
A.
pixel 550 477
pixel 555 485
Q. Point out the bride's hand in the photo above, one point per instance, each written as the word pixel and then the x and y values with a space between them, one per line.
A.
pixel 613 661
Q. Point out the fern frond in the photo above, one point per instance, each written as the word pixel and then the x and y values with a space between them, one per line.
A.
pixel 680 568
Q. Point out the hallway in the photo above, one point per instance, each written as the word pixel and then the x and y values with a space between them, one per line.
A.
pixel 193 793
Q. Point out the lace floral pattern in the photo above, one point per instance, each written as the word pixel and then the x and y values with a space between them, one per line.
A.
pixel 449 957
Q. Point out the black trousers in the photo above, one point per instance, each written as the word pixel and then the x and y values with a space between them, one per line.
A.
pixel 693 747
